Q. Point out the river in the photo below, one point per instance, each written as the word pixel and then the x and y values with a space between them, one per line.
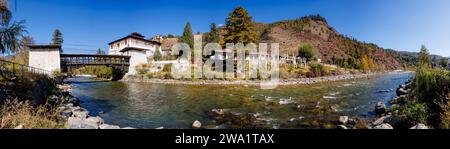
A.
pixel 146 105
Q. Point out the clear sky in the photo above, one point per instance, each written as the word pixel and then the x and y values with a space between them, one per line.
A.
pixel 90 24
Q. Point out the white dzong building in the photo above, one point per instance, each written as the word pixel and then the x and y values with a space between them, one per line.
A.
pixel 136 46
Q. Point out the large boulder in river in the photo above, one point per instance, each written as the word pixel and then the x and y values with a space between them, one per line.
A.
pixel 380 108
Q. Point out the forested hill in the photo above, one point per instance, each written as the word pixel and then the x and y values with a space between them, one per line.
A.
pixel 332 47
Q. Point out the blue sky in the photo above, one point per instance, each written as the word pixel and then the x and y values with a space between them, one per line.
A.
pixel 91 24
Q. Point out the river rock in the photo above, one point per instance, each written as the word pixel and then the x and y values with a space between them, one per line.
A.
pixel 19 127
pixel 53 98
pixel 220 127
pixel 341 127
pixel 128 128
pixel 401 91
pixel 107 126
pixel 379 121
pixel 383 126
pixel 352 122
pixel 419 126
pixel 96 120
pixel 343 119
pixel 80 112
pixel 380 108
pixel 292 119
pixel 218 111
pixel 393 120
pixel 197 124
pixel 79 123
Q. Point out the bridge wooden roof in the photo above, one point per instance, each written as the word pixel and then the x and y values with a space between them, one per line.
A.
pixel 94 55
pixel 44 46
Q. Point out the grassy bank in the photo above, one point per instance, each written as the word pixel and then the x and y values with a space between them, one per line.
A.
pixel 429 101
pixel 21 115
pixel 24 103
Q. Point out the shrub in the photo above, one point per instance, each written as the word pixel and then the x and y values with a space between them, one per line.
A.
pixel 413 113
pixel 316 70
pixel 15 113
pixel 167 68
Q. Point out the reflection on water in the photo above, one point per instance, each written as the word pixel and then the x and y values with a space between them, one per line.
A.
pixel 146 105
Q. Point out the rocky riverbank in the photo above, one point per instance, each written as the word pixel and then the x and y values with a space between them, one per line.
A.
pixel 389 120
pixel 296 81
pixel 76 116
pixel 385 119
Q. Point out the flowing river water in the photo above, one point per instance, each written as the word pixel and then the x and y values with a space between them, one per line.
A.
pixel 146 105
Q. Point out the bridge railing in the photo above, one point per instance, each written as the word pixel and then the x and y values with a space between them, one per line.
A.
pixel 14 70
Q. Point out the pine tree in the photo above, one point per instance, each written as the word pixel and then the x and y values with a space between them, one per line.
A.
pixel 57 38
pixel 213 36
pixel 100 52
pixel 424 57
pixel 187 36
pixel 240 28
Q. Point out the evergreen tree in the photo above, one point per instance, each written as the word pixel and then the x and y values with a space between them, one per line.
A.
pixel 170 36
pixel 187 36
pixel 424 57
pixel 157 56
pixel 239 27
pixel 57 38
pixel 100 52
pixel 10 31
pixel 213 36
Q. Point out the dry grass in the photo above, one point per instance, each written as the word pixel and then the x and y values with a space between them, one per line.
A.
pixel 14 113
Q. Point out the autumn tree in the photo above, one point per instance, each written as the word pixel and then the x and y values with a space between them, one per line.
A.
pixel 240 28
pixel 365 63
pixel 22 54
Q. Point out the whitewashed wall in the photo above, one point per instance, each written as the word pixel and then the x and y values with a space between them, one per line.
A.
pixel 137 58
pixel 47 59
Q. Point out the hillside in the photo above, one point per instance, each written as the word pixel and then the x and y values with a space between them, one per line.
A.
pixel 333 47
pixel 410 58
